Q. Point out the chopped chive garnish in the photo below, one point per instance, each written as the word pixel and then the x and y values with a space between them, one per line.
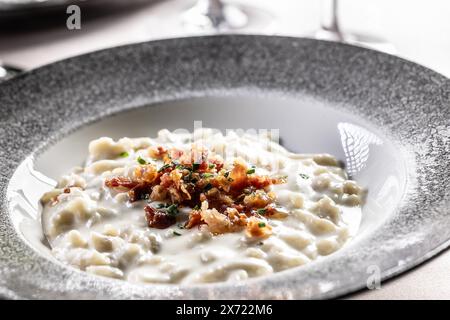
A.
pixel 226 174
pixel 212 166
pixel 303 176
pixel 261 211
pixel 195 166
pixel 196 207
pixel 261 224
pixel 208 187
pixel 176 233
pixel 124 154
pixel 251 171
pixel 140 160
pixel 172 209
pixel 207 175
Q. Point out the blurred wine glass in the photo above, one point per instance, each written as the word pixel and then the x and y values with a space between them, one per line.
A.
pixel 330 29
pixel 218 16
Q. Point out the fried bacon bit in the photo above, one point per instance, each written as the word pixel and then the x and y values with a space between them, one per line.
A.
pixel 139 192
pixel 257 228
pixel 275 213
pixel 258 199
pixel 217 199
pixel 238 175
pixel 261 182
pixel 195 218
pixel 217 162
pixel 146 173
pixel 217 223
pixel 236 218
pixel 121 182
pixel 158 219
pixel 159 193
pixel 175 154
pixel 173 183
pixel 157 152
pixel 241 180
pixel 230 198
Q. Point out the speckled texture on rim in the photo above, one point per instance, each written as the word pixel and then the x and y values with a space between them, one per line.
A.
pixel 410 103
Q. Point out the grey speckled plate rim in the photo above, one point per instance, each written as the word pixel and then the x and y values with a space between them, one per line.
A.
pixel 399 96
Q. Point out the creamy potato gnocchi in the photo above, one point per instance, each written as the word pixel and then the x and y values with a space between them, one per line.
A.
pixel 198 208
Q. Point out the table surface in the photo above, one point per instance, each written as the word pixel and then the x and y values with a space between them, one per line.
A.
pixel 418 29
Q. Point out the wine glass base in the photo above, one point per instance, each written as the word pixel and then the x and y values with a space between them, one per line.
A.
pixel 233 18
pixel 364 41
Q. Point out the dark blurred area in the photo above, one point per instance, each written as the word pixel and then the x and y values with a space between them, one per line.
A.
pixel 35 16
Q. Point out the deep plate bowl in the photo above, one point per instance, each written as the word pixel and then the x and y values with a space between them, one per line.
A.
pixel 385 117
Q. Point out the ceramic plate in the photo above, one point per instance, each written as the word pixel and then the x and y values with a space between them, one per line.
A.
pixel 386 118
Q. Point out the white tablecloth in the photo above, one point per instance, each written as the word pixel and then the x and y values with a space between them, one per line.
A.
pixel 419 30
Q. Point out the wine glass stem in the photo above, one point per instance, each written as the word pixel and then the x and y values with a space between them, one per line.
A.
pixel 330 20
pixel 213 9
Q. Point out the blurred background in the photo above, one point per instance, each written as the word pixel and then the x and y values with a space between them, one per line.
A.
pixel 35 32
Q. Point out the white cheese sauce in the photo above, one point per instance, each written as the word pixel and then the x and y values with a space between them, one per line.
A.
pixel 98 230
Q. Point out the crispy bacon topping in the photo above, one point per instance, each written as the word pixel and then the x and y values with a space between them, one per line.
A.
pixel 225 198
pixel 158 219
pixel 118 182
pixel 195 218
pixel 157 152
pixel 258 228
